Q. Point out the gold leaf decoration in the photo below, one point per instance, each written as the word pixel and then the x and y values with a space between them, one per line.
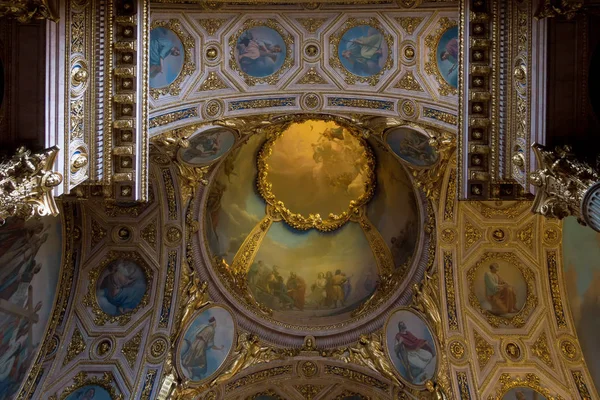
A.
pixel 483 349
pixel 131 348
pixel 212 82
pixel 76 346
pixel 541 350
pixel 311 24
pixel 408 82
pixel 309 391
pixel 472 235
pixel 409 24
pixel 98 233
pixel 525 235
pixel 211 25
pixel 149 233
pixel 312 77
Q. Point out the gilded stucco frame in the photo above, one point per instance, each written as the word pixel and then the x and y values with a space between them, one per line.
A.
pixel 288 61
pixel 189 66
pixel 336 38
pixel 531 300
pixel 90 299
pixel 298 221
pixel 181 335
pixel 436 344
pixel 431 67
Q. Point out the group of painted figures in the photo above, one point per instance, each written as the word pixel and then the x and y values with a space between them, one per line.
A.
pixel 330 290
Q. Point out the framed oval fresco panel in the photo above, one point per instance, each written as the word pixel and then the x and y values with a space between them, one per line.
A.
pixel 208 146
pixel 500 288
pixel 363 50
pixel 411 347
pixel 523 393
pixel 447 56
pixel 166 55
pixel 260 51
pixel 205 344
pixel 90 392
pixel 411 146
pixel 120 287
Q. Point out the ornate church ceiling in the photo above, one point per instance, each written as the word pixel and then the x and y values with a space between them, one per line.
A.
pixel 315 67
pixel 302 237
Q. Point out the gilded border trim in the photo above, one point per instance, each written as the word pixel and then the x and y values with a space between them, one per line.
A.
pixel 559 312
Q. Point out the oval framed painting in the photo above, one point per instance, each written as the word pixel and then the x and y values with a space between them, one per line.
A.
pixel 411 146
pixel 90 392
pixel 205 344
pixel 121 286
pixel 523 393
pixel 447 56
pixel 363 50
pixel 411 347
pixel 500 288
pixel 260 51
pixel 208 146
pixel 167 56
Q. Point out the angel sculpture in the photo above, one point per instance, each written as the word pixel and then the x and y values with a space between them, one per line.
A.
pixel 436 391
pixel 370 353
pixel 196 290
pixel 247 353
pixel 424 300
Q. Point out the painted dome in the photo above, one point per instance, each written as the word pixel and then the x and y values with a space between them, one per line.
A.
pixel 310 214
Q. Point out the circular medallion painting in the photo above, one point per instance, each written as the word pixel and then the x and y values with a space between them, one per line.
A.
pixel 500 288
pixel 208 146
pixel 447 56
pixel 363 50
pixel 206 343
pixel 260 51
pixel 411 347
pixel 523 393
pixel 120 287
pixel 90 392
pixel 166 57
pixel 411 146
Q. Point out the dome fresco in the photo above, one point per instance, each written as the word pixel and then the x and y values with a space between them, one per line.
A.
pixel 320 273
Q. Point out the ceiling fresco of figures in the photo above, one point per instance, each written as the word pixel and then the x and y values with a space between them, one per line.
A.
pixel 30 256
pixel 327 186
pixel 226 62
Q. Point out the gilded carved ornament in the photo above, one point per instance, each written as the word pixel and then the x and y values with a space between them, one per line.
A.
pixel 26 184
pixel 562 183
pixel 26 10
pixel 556 8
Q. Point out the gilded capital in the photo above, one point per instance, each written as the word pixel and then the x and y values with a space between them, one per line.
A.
pixel 26 184
pixel 564 183
pixel 26 10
